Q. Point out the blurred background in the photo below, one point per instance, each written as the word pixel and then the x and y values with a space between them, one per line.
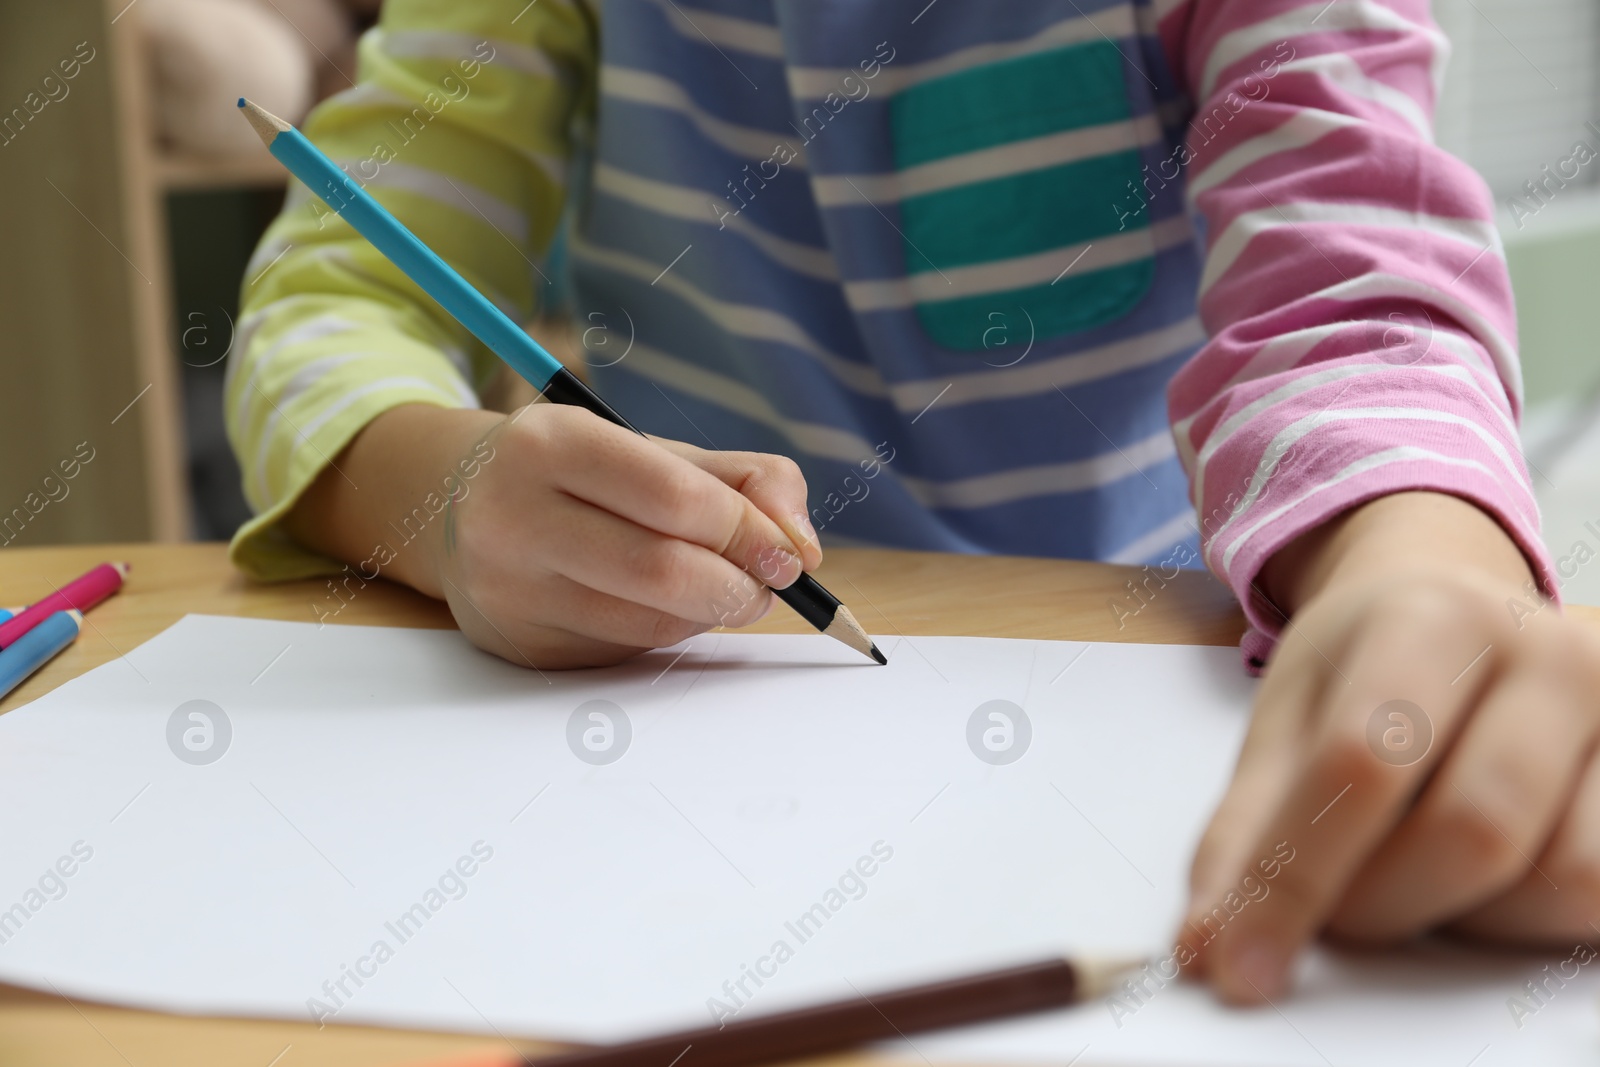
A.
pixel 129 208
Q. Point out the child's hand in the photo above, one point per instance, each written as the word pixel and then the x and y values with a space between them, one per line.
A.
pixel 1473 807
pixel 571 542
pixel 583 543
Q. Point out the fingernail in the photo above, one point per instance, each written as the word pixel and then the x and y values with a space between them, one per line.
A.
pixel 1257 970
pixel 803 527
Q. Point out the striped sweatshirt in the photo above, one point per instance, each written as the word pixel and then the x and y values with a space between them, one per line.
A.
pixel 1163 281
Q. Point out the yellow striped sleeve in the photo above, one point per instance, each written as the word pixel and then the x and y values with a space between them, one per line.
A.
pixel 459 124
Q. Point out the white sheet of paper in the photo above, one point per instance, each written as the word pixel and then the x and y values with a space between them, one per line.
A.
pixel 312 869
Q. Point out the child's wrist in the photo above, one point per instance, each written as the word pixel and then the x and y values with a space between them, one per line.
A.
pixel 1398 534
pixel 404 462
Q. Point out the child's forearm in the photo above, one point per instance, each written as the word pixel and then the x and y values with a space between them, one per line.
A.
pixel 405 459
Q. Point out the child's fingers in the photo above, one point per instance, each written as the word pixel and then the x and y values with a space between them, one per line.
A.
pixel 1557 900
pixel 545 648
pixel 611 555
pixel 772 483
pixel 634 478
pixel 1344 801
pixel 589 613
pixel 1266 768
pixel 1492 804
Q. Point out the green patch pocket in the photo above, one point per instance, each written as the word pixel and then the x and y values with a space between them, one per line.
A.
pixel 1018 183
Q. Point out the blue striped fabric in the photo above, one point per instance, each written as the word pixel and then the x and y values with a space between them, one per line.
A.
pixel 785 321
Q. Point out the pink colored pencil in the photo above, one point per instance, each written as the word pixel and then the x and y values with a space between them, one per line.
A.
pixel 81 593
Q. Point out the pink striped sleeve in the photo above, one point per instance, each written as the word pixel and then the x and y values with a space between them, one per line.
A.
pixel 1363 337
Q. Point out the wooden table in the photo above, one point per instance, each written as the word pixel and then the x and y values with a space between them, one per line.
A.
pixel 892 593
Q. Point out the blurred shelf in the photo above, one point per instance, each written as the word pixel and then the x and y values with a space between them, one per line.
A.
pixel 176 173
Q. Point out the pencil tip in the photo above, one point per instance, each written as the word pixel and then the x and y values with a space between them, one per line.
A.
pixel 265 123
pixel 879 656
pixel 844 627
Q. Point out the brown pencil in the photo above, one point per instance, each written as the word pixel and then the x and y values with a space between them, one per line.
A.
pixel 824 1028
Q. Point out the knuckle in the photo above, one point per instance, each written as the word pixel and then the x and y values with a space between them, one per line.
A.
pixel 664 570
pixel 1432 607
pixel 1474 836
pixel 1349 761
pixel 680 490
pixel 786 472
pixel 665 630
pixel 1578 875
pixel 1299 891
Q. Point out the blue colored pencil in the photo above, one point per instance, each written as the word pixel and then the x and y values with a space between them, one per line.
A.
pixel 36 648
pixel 490 325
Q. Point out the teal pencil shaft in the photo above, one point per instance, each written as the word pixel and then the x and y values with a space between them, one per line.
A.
pixel 419 262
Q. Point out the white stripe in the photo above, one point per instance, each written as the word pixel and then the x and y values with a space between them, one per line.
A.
pixel 1345 73
pixel 1379 286
pixel 830 443
pixel 1468 351
pixel 372 95
pixel 741 320
pixel 345 255
pixel 1023 272
pixel 460 47
pixel 309 374
pixel 1221 433
pixel 312 329
pixel 245 335
pixel 680 202
pixel 1014 157
pixel 1359 467
pixel 268 251
pixel 1329 18
pixel 1160 540
pixel 304 377
pixel 308 432
pixel 1305 127
pixel 642 87
pixel 814 438
pixel 806 83
pixel 1284 352
pixel 1476 234
pixel 990 383
pixel 458 394
pixel 757 38
pixel 1302 384
pixel 1290 435
pixel 1046 479
pixel 458 194
pixel 1046 375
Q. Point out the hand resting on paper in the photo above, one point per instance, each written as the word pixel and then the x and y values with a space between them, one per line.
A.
pixel 562 540
pixel 1472 805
